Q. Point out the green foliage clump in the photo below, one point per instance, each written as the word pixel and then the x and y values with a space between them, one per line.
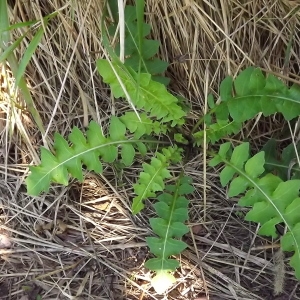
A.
pixel 243 98
pixel 144 92
pixel 267 184
pixel 272 200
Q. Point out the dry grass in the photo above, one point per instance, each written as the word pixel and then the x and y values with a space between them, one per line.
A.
pixel 81 242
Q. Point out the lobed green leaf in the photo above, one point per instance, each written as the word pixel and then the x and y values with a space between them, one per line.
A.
pixel 172 209
pixel 151 180
pixel 139 51
pixel 242 99
pixel 78 150
pixel 144 93
pixel 272 200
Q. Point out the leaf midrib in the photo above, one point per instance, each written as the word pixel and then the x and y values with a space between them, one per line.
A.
pixel 239 171
pixel 169 222
pixel 84 152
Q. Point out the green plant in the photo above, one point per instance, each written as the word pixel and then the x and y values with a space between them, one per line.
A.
pixel 172 210
pixel 269 184
pixel 242 99
pixel 272 198
pixel 139 51
pixel 152 96
pixel 85 149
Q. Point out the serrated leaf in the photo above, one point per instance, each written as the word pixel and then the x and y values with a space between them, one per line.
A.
pixel 237 108
pixel 185 188
pixel 150 48
pixel 254 93
pixel 165 247
pixel 291 109
pixel 273 84
pixel 110 153
pixel 155 66
pixel 290 215
pixel 140 51
pixel 288 244
pixel 267 184
pixel 152 96
pixel 162 228
pixel 142 124
pixel 257 81
pixel 79 150
pixel 222 113
pixel 166 197
pixel 157 171
pixel 166 264
pixel 178 215
pixel 267 105
pixel 172 210
pixel 271 201
pixel 224 148
pixel 178 137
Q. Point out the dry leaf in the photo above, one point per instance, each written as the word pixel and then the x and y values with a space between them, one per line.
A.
pixel 62 227
pixel 102 206
pixel 199 229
